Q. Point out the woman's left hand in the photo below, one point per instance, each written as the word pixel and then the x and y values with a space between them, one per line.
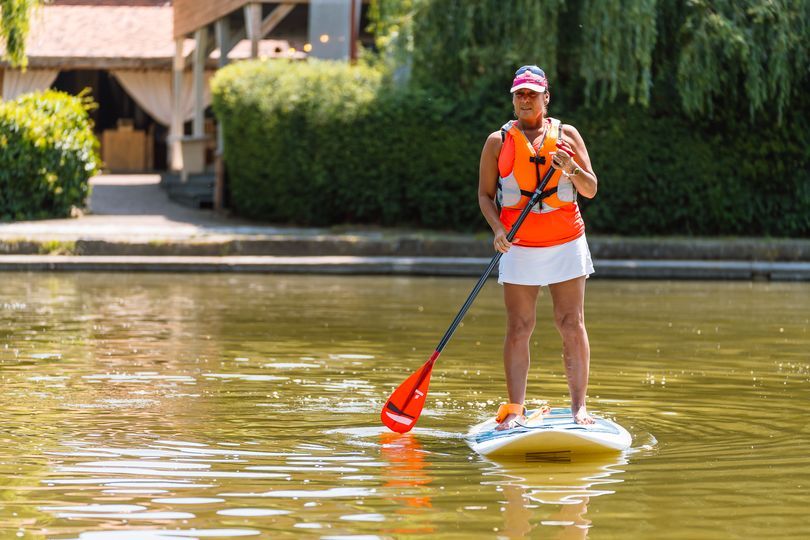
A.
pixel 563 158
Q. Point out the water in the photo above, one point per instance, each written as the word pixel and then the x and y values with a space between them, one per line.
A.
pixel 148 406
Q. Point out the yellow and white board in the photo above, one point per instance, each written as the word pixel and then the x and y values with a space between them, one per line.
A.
pixel 550 435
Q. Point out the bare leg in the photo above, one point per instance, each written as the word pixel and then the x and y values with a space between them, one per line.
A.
pixel 521 312
pixel 569 316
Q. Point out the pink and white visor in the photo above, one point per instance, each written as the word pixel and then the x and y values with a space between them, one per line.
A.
pixel 531 78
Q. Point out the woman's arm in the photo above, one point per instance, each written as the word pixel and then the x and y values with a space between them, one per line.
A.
pixel 585 181
pixel 487 190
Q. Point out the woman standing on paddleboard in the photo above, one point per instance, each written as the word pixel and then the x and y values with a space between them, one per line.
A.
pixel 550 248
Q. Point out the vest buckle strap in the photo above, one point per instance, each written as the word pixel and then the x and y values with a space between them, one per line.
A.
pixel 548 193
pixel 545 194
pixel 538 159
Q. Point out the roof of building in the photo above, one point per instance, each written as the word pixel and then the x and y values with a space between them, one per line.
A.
pixel 109 35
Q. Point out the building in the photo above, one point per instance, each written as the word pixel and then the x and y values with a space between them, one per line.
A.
pixel 146 63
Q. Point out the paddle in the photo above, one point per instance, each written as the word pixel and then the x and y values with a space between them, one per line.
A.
pixel 403 408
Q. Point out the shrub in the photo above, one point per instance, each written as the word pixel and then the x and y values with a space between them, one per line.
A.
pixel 669 175
pixel 321 143
pixel 47 155
pixel 285 130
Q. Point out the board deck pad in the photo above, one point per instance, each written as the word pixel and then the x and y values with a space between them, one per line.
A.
pixel 554 436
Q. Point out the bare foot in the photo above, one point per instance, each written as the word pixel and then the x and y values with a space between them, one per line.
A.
pixel 581 416
pixel 508 422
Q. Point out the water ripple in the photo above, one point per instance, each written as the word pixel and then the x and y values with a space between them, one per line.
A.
pixel 165 407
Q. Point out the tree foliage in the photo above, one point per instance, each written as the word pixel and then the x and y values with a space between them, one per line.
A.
pixel 617 42
pixel 758 46
pixel 749 54
pixel 14 17
pixel 392 26
pixel 467 46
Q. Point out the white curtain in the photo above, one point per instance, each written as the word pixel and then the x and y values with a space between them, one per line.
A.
pixel 16 82
pixel 152 90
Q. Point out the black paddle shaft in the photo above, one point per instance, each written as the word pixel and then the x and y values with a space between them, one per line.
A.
pixel 537 196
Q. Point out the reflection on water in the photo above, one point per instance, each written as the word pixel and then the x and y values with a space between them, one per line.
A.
pixel 568 487
pixel 405 475
pixel 561 483
pixel 176 406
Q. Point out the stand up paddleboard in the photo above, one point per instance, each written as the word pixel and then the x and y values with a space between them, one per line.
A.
pixel 551 435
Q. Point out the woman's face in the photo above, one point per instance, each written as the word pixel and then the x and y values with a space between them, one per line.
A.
pixel 528 104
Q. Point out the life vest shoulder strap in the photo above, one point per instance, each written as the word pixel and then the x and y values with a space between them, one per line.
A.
pixel 553 135
pixel 505 129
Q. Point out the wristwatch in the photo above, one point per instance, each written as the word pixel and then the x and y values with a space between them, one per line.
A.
pixel 575 172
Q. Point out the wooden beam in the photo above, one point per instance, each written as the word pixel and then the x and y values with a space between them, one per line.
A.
pixel 228 37
pixel 275 17
pixel 191 15
pixel 253 24
pixel 95 63
pixel 236 37
pixel 210 45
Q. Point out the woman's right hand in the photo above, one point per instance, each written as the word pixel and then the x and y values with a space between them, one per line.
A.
pixel 500 242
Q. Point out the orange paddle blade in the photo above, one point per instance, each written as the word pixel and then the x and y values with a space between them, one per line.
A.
pixel 403 408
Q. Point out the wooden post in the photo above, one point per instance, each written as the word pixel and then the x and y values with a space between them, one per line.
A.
pixel 353 35
pixel 223 39
pixel 222 32
pixel 176 127
pixel 253 25
pixel 201 47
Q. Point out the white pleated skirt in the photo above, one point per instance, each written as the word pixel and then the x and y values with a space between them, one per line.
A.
pixel 546 265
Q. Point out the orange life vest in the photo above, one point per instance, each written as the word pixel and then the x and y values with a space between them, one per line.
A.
pixel 520 166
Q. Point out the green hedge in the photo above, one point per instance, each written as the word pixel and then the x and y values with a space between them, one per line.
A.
pixel 47 155
pixel 668 175
pixel 320 143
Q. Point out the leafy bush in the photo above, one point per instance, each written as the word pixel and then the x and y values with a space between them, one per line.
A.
pixel 320 144
pixel 668 175
pixel 47 155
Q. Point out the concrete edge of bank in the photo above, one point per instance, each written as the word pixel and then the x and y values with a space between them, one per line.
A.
pixel 403 245
pixel 386 265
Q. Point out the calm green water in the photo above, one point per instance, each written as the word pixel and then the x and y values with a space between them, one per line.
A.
pixel 219 406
